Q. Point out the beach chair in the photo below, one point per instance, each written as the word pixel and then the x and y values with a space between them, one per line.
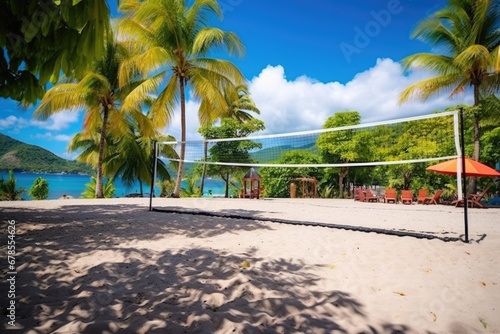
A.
pixel 361 195
pixel 356 193
pixel 406 196
pixel 422 194
pixel 473 200
pixel 370 197
pixel 434 199
pixel 391 195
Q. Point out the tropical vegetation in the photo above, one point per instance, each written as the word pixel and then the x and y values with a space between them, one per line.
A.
pixel 41 39
pixel 343 146
pixel 9 190
pixel 130 83
pixel 172 45
pixel 99 94
pixel 466 37
pixel 90 189
pixel 39 189
pixel 192 189
pixel 277 180
pixel 234 151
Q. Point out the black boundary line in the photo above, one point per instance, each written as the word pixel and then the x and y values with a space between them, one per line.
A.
pixel 309 223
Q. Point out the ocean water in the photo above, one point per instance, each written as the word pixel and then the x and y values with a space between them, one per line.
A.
pixel 74 185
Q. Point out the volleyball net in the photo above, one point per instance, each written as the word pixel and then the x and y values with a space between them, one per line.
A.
pixel 407 140
pixel 411 140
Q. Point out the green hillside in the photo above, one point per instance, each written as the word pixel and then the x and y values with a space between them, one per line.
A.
pixel 20 156
pixel 268 155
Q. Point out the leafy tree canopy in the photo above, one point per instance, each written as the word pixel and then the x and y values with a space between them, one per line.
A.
pixel 41 38
pixel 343 145
pixel 277 180
pixel 231 151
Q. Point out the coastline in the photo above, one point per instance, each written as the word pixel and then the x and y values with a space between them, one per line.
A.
pixel 201 269
pixel 73 185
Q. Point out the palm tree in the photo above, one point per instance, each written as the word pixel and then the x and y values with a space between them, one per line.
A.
pixel 239 103
pixel 133 160
pixel 174 43
pixel 90 189
pixel 191 190
pixel 98 93
pixel 9 190
pixel 467 32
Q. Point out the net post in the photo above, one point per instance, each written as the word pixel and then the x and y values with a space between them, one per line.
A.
pixel 458 147
pixel 155 158
pixel 464 183
pixel 203 173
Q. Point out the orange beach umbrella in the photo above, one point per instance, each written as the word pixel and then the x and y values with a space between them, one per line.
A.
pixel 472 168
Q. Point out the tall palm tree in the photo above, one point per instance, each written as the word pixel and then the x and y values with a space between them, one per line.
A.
pixel 467 32
pixel 175 43
pixel 99 94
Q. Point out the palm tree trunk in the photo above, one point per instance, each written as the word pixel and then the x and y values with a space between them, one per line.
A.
pixel 180 170
pixel 477 133
pixel 99 193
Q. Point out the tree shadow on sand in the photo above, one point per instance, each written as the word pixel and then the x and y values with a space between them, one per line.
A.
pixel 116 223
pixel 75 276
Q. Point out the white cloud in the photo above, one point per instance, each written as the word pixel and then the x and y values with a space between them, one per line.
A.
pixel 58 121
pixel 52 137
pixel 304 103
pixel 13 123
pixel 192 123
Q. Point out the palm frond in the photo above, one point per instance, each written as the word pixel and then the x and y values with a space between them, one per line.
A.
pixel 142 92
pixel 221 68
pixel 209 39
pixel 424 89
pixel 162 110
pixel 58 98
pixel 474 57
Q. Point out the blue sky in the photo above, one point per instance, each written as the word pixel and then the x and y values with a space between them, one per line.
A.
pixel 305 60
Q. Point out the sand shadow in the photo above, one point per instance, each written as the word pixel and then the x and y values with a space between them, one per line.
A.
pixel 76 275
pixel 190 291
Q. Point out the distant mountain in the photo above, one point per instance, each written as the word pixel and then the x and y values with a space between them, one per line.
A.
pixel 20 156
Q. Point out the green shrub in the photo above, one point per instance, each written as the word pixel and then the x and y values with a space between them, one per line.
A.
pixel 39 189
pixel 89 192
pixel 8 189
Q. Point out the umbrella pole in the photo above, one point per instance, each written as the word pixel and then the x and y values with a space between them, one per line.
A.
pixel 464 183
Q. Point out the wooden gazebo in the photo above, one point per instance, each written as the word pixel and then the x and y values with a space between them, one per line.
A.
pixel 251 185
pixel 309 186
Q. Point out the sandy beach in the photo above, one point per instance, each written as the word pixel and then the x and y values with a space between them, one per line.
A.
pixel 219 265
